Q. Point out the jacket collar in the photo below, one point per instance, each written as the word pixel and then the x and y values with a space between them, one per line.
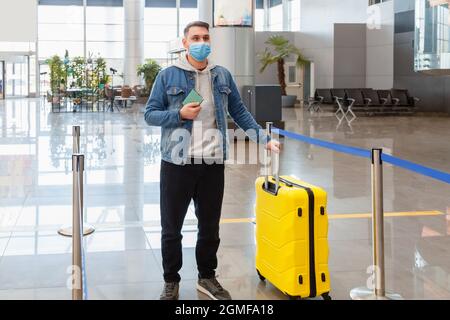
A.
pixel 213 74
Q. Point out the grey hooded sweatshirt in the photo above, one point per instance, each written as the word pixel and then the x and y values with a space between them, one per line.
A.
pixel 205 138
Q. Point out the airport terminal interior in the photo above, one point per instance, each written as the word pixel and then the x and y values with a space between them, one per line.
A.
pixel 372 74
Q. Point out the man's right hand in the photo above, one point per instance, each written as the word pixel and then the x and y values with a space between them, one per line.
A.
pixel 190 111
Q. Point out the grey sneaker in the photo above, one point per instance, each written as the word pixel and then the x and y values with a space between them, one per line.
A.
pixel 213 289
pixel 170 291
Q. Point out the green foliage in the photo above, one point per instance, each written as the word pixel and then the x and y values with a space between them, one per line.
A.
pixel 83 74
pixel 149 70
pixel 57 73
pixel 99 76
pixel 281 49
pixel 79 71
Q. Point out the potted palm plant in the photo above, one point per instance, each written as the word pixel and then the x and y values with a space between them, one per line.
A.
pixel 149 70
pixel 281 49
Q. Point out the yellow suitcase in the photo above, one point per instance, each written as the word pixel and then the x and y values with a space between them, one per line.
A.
pixel 292 237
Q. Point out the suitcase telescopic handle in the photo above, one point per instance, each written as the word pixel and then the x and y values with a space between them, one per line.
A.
pixel 275 163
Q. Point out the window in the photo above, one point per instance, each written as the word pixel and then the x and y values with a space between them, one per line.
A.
pixel 275 15
pixel 294 15
pixel 188 13
pixel 259 16
pixel 291 73
pixel 105 33
pixel 160 25
pixel 60 27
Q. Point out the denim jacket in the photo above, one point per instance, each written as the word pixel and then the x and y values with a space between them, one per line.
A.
pixel 170 89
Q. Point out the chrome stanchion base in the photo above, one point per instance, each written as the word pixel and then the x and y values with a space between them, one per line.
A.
pixel 368 294
pixel 67 231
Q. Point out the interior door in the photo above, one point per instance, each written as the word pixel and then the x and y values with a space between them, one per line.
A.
pixel 17 77
pixel 2 80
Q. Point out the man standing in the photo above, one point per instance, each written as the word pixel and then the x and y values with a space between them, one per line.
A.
pixel 196 170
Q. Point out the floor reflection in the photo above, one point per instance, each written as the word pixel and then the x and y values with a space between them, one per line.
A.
pixel 122 202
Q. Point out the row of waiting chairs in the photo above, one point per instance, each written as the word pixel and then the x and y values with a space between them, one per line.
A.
pixel 367 100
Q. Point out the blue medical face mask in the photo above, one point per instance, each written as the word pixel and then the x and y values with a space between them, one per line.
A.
pixel 199 51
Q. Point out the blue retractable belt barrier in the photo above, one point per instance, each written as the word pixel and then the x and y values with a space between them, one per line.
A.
pixel 429 172
pixel 328 145
pixel 417 168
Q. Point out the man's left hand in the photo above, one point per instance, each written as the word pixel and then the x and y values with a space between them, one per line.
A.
pixel 274 146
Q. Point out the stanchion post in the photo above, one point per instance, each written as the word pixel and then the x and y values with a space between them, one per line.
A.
pixel 378 222
pixel 66 231
pixel 76 139
pixel 77 223
pixel 378 292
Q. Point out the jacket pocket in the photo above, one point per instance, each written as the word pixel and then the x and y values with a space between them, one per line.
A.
pixel 175 96
pixel 224 92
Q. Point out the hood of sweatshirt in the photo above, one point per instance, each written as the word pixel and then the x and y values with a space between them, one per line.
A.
pixel 184 64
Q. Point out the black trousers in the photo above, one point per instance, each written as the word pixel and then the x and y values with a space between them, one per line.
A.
pixel 204 183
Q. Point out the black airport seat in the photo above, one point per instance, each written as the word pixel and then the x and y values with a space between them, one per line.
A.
pixel 403 100
pixel 376 103
pixel 326 95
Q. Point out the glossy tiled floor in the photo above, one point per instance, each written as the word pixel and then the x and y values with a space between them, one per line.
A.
pixel 121 201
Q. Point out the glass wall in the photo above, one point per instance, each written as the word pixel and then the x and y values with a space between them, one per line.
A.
pixel 32 75
pixel 294 15
pixel 188 13
pixel 161 25
pixel 275 15
pixel 17 77
pixel 281 15
pixel 432 37
pixel 22 51
pixel 105 33
pixel 61 27
pixel 259 16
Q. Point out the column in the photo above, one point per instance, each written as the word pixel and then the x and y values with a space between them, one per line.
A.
pixel 134 40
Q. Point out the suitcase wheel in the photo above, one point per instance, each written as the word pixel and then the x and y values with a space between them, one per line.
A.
pixel 294 297
pixel 326 296
pixel 260 276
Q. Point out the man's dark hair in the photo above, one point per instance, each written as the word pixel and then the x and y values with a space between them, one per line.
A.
pixel 195 24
